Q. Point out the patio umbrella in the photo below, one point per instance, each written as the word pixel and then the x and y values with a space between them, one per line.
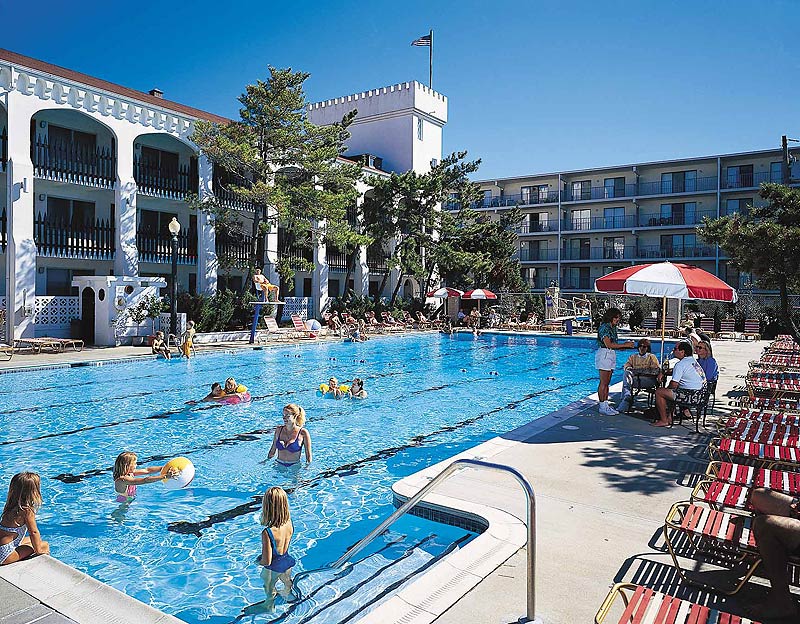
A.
pixel 665 279
pixel 479 293
pixel 445 291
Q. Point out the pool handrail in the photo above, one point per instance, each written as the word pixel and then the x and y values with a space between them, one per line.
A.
pixel 450 469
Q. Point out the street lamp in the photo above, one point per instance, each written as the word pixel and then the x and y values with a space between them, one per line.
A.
pixel 174 230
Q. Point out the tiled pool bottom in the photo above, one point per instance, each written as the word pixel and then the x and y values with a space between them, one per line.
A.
pixel 191 552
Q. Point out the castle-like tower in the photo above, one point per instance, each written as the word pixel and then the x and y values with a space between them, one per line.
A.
pixel 401 124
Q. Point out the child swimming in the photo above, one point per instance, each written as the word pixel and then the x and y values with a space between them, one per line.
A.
pixel 19 535
pixel 275 538
pixel 126 476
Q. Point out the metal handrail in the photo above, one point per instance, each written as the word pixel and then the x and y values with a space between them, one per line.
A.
pixel 457 464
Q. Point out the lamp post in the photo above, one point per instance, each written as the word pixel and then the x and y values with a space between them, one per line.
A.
pixel 174 230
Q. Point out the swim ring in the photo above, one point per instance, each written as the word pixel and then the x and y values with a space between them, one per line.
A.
pixel 185 474
pixel 324 390
pixel 235 398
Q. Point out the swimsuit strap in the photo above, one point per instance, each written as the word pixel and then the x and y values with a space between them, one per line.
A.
pixel 272 543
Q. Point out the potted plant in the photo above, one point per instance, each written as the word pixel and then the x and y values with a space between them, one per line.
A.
pixel 153 308
pixel 137 314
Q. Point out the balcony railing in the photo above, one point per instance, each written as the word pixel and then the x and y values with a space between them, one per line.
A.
pixel 676 219
pixel 229 199
pixel 157 247
pixel 233 250
pixel 601 223
pixel 57 239
pixel 165 182
pixel 599 192
pixel 664 187
pixel 73 162
pixel 337 260
pixel 599 253
pixel 750 180
pixel 295 253
pixel 539 226
pixel 583 283
pixel 538 255
pixel 698 251
pixel 377 260
pixel 3 149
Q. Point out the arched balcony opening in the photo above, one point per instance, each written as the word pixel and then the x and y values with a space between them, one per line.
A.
pixel 164 166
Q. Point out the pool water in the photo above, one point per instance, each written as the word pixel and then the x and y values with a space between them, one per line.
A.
pixel 191 552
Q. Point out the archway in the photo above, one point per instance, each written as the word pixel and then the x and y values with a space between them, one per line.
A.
pixel 411 288
pixel 87 315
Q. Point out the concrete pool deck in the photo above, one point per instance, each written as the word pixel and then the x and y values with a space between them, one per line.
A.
pixel 603 486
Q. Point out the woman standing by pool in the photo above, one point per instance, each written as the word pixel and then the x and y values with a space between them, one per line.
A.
pixel 605 360
pixel 291 437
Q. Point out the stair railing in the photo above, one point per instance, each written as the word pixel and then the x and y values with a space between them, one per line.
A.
pixel 457 465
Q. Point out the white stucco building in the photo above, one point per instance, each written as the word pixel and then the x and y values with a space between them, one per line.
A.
pixel 92 172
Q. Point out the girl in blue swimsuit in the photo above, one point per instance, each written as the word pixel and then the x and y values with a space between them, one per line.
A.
pixel 291 438
pixel 19 535
pixel 275 538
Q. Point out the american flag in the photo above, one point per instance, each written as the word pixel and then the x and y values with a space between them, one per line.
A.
pixel 422 41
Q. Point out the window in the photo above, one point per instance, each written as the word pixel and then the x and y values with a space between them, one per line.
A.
pixel 70 212
pixel 155 222
pixel 614 247
pixel 487 198
pixel 434 162
pixel 192 283
pixel 333 287
pixel 614 187
pixel 224 282
pixel 581 219
pixel 59 281
pixel 582 190
pixel 741 205
pixel 578 248
pixel 166 163
pixel 419 128
pixel 679 245
pixel 679 181
pixel 776 172
pixel 307 284
pixel 61 137
pixel 526 195
pixel 614 217
pixel 740 176
pixel 541 222
pixel 576 278
pixel 679 214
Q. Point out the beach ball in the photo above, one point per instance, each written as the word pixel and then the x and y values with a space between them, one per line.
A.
pixel 185 474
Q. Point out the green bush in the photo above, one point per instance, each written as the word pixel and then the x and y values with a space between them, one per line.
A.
pixel 226 310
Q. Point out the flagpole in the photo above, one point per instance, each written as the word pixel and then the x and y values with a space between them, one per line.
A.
pixel 430 60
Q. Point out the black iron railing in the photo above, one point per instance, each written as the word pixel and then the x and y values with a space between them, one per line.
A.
pixel 538 255
pixel 93 240
pixel 3 230
pixel 168 182
pixel 296 254
pixel 73 162
pixel 230 199
pixel 377 260
pixel 157 247
pixel 3 149
pixel 233 250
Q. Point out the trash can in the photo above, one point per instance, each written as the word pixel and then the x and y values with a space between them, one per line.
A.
pixel 568 327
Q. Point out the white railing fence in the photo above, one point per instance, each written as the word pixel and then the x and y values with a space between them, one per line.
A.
pixel 52 315
pixel 301 306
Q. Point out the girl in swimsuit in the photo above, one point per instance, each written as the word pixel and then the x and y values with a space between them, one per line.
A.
pixel 19 535
pixel 356 390
pixel 290 438
pixel 275 538
pixel 126 476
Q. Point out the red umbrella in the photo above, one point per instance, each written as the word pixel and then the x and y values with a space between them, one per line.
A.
pixel 665 279
pixel 444 292
pixel 479 293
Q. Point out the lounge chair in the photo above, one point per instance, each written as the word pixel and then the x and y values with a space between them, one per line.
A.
pixel 274 332
pixel 649 326
pixel 707 326
pixel 764 433
pixel 752 329
pixel 721 494
pixel 726 330
pixel 790 404
pixel 7 350
pixel 647 605
pixel 38 344
pixel 391 323
pixel 301 330
pixel 764 455
pixel 773 386
pixel 787 481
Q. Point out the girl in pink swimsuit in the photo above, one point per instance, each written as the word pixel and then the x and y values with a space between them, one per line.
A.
pixel 126 476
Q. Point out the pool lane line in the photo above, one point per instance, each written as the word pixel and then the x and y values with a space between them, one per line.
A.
pixel 196 528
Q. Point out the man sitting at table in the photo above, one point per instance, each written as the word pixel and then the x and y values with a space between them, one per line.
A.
pixel 687 385
pixel 641 371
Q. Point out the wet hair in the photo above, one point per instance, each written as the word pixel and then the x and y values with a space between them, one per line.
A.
pixel 707 345
pixel 123 463
pixel 685 346
pixel 232 381
pixel 298 412
pixel 216 386
pixel 610 314
pixel 275 507
pixel 24 493
pixel 357 380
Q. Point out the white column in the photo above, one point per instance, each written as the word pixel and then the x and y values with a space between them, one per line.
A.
pixel 319 279
pixel 361 273
pixel 21 247
pixel 126 255
pixel 206 235
pixel 271 247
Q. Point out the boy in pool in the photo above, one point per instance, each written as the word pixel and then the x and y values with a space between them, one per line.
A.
pixel 160 347
pixel 333 388
pixel 216 394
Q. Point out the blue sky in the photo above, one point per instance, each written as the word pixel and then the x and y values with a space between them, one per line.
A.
pixel 533 86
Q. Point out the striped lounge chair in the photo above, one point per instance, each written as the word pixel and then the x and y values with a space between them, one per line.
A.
pixel 707 325
pixel 300 329
pixel 752 329
pixel 773 386
pixel 726 329
pixel 724 536
pixel 650 326
pixel 777 361
pixel 751 476
pixel 763 433
pixel 721 493
pixel 645 605
pixel 765 455
pixel 791 405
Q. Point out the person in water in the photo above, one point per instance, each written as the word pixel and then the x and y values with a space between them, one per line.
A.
pixel 160 347
pixel 231 388
pixel 127 476
pixel 334 389
pixel 275 539
pixel 291 437
pixel 216 394
pixel 356 390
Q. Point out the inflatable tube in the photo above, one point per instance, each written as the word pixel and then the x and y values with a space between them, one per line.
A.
pixel 185 474
pixel 325 390
pixel 235 398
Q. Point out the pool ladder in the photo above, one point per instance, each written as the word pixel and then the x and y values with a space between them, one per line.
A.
pixel 411 502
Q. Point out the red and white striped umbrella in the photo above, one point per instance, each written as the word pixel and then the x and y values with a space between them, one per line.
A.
pixel 665 279
pixel 479 293
pixel 445 291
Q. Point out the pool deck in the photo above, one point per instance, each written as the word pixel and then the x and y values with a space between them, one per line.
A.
pixel 603 486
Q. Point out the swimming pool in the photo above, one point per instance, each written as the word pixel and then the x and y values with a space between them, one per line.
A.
pixel 191 552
